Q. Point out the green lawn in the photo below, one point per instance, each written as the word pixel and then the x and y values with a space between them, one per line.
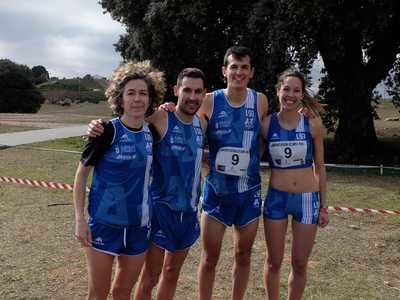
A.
pixel 356 257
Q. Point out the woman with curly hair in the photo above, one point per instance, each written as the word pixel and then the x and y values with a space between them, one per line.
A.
pixel 297 185
pixel 119 204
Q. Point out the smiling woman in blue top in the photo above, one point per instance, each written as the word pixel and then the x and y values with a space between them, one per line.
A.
pixel 297 185
pixel 119 204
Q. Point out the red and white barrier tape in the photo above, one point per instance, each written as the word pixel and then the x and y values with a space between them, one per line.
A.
pixel 37 183
pixel 364 210
pixel 69 187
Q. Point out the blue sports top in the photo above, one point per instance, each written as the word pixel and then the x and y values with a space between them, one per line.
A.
pixel 289 149
pixel 177 165
pixel 233 134
pixel 119 194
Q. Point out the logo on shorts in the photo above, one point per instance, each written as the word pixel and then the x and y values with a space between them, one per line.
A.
pixel 257 197
pixel 160 234
pixel 98 241
pixel 256 203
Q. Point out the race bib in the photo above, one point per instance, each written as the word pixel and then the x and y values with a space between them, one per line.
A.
pixel 232 161
pixel 289 153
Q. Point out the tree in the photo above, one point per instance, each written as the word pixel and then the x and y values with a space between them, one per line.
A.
pixel 40 74
pixel 357 40
pixel 393 82
pixel 17 92
pixel 175 34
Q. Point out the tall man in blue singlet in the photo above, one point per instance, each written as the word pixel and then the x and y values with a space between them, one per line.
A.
pixel 232 188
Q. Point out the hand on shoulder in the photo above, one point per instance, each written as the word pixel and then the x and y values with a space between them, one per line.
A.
pixel 95 128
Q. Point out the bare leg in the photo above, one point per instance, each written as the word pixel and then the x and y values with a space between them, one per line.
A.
pixel 303 241
pixel 126 275
pixel 173 262
pixel 99 267
pixel 212 233
pixel 275 231
pixel 150 273
pixel 243 243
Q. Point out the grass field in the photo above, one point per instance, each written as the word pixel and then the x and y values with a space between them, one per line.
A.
pixel 356 257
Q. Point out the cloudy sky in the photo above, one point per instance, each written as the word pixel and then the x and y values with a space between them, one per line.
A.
pixel 68 37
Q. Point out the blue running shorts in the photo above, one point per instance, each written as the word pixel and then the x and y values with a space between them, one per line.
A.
pixel 117 240
pixel 304 207
pixel 173 230
pixel 237 209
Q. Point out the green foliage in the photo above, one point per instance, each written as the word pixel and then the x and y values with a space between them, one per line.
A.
pixel 176 34
pixel 17 92
pixel 86 89
pixel 358 41
pixel 87 83
pixel 40 74
pixel 393 81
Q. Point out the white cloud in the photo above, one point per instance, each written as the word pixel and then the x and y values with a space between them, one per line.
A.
pixel 70 38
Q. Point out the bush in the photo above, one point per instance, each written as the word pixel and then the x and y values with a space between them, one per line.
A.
pixel 17 91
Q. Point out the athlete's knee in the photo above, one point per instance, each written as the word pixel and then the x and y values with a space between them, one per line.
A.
pixel 273 264
pixel 299 265
pixel 243 256
pixel 209 260
pixel 171 272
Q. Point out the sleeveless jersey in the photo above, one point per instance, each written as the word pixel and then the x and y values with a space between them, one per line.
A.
pixel 289 149
pixel 119 194
pixel 177 165
pixel 233 134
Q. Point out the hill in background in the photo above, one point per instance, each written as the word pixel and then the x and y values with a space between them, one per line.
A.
pixel 65 91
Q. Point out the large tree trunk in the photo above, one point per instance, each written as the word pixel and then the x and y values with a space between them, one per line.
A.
pixel 355 138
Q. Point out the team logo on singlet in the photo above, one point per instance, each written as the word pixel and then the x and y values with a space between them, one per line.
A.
pixel 222 114
pixel 124 138
pixel 223 124
pixel 300 136
pixel 275 136
pixel 176 139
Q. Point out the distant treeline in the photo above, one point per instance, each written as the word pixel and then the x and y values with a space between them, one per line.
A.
pixel 61 96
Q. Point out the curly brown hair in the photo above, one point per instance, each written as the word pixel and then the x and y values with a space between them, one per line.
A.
pixel 136 70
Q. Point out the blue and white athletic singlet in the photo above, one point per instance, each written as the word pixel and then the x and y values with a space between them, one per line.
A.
pixel 233 134
pixel 119 194
pixel 289 149
pixel 177 165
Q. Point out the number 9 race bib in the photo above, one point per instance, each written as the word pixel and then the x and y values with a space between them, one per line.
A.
pixel 232 161
pixel 288 154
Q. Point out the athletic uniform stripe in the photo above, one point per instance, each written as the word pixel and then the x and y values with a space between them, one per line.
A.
pixel 246 141
pixel 306 208
pixel 146 205
pixel 196 180
pixel 303 208
pixel 300 126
